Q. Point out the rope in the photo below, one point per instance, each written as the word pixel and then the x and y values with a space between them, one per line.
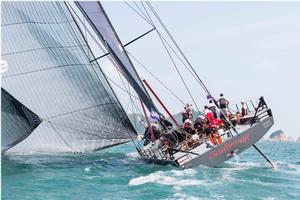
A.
pixel 171 58
pixel 160 35
pixel 137 12
pixel 156 78
pixel 92 36
pixel 62 137
pixel 177 46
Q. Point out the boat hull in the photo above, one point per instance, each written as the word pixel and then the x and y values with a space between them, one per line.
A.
pixel 222 152
pixel 235 145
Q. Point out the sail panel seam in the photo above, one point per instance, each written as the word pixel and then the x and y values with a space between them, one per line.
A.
pixel 81 109
pixel 41 48
pixel 49 68
pixel 32 22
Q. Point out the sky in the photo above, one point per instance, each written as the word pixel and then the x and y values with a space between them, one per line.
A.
pixel 242 49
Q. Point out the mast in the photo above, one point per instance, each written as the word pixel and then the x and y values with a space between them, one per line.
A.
pixel 98 19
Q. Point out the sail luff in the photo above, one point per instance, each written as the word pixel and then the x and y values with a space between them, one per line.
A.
pixel 99 21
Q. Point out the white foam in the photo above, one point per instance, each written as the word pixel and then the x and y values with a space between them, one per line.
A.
pixel 133 154
pixel 87 169
pixel 167 178
pixel 186 172
pixel 243 165
pixel 293 167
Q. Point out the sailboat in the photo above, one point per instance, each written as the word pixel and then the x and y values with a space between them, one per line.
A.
pixel 73 98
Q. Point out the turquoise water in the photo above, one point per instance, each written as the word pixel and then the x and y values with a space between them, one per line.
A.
pixel 118 173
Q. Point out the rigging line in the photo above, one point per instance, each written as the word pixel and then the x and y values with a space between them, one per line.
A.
pixel 152 23
pixel 175 43
pixel 78 110
pixel 85 34
pixel 80 131
pixel 176 54
pixel 41 48
pixel 137 12
pixel 68 6
pixel 132 108
pixel 62 137
pixel 97 122
pixel 120 87
pixel 149 17
pixel 129 94
pixel 138 7
pixel 185 85
pixel 39 70
pixel 92 36
pixel 73 31
pixel 155 77
pixel 97 42
pixel 137 108
pixel 127 107
pixel 34 22
pixel 174 64
pixel 128 43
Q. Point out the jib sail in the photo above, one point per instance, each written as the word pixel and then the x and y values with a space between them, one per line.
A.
pixel 49 72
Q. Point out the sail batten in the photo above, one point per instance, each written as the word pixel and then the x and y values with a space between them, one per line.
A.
pixel 96 16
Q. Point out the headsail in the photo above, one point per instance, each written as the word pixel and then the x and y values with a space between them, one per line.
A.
pixel 49 72
pixel 17 121
pixel 99 21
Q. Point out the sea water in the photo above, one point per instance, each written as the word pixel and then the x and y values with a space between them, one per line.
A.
pixel 119 173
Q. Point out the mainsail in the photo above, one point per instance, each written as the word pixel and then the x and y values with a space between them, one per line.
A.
pixel 99 21
pixel 49 72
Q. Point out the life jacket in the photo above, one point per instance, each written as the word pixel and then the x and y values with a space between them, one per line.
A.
pixel 187 124
pixel 215 139
pixel 223 102
pixel 209 115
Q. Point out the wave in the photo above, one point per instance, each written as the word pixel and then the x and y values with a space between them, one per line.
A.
pixel 133 155
pixel 236 166
pixel 173 177
pixel 288 166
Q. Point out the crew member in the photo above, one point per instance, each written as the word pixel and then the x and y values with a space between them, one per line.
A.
pixel 188 113
pixel 223 102
pixel 212 107
pixel 245 110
